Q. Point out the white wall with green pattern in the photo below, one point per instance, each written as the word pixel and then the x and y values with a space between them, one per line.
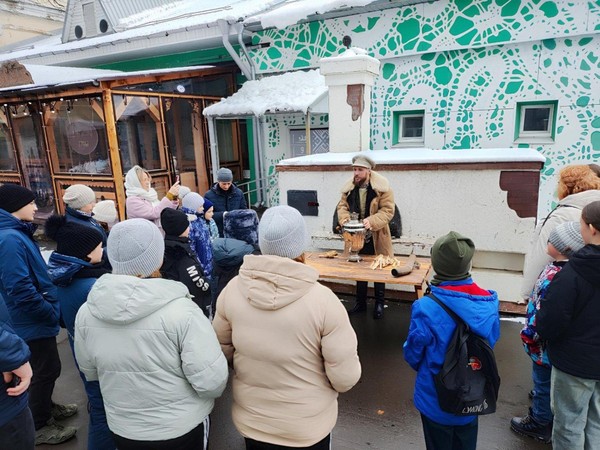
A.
pixel 466 64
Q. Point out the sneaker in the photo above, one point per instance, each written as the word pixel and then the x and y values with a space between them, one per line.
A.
pixel 528 426
pixel 61 412
pixel 54 433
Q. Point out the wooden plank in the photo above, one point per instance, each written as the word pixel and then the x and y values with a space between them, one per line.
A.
pixel 339 268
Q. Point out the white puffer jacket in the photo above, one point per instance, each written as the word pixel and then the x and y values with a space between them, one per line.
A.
pixel 568 209
pixel 156 356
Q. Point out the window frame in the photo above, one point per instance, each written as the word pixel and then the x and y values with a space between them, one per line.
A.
pixel 537 137
pixel 398 118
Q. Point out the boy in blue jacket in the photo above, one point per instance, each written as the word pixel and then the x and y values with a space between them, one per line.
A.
pixel 31 301
pixel 431 330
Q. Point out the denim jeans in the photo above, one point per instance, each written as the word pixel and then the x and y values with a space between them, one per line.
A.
pixel 540 405
pixel 576 406
pixel 18 433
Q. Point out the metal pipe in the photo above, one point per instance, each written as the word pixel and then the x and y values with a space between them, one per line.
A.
pixel 214 154
pixel 224 26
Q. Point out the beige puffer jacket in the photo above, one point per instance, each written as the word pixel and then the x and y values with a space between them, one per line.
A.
pixel 292 349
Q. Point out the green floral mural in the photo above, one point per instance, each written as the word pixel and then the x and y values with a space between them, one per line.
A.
pixel 467 64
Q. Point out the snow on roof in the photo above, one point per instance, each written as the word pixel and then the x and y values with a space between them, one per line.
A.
pixel 63 76
pixel 289 92
pixel 421 156
pixel 290 12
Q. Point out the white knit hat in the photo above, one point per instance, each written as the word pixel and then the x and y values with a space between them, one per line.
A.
pixel 282 232
pixel 135 247
pixel 183 191
pixel 192 201
pixel 105 211
pixel 566 238
pixel 78 195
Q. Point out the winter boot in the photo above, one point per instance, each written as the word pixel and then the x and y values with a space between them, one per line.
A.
pixel 54 433
pixel 61 412
pixel 528 426
pixel 379 300
pixel 361 298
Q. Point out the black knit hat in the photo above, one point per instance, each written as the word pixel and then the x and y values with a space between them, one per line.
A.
pixel 173 221
pixel 72 238
pixel 13 197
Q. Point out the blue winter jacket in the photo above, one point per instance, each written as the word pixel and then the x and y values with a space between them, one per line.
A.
pixel 25 286
pixel 72 292
pixel 72 215
pixel 200 241
pixel 223 201
pixel 14 352
pixel 431 329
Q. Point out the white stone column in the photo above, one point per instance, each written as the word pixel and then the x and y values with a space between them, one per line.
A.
pixel 350 77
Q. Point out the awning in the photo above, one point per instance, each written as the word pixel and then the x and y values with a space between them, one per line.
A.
pixel 292 92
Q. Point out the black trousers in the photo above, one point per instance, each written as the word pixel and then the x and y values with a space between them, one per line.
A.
pixel 324 444
pixel 45 364
pixel 448 437
pixel 18 433
pixel 362 286
pixel 197 439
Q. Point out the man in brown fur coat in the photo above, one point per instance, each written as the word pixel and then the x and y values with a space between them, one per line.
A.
pixel 369 194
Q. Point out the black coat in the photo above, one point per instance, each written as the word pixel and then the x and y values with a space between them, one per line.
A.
pixel 180 264
pixel 223 201
pixel 569 315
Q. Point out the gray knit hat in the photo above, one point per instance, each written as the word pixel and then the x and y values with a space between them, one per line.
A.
pixel 135 247
pixel 183 191
pixel 79 195
pixel 224 175
pixel 105 211
pixel 192 201
pixel 282 232
pixel 566 238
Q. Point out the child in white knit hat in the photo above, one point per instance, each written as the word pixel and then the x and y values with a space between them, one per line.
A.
pixel 105 214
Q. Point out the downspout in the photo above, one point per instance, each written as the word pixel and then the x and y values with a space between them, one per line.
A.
pixel 249 72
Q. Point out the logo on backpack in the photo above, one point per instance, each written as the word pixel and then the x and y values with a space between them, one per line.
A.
pixel 468 382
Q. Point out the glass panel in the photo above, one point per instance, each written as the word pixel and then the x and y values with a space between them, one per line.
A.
pixel 215 87
pixel 412 127
pixel 225 140
pixel 76 129
pixel 28 138
pixel 536 119
pixel 319 141
pixel 7 153
pixel 139 132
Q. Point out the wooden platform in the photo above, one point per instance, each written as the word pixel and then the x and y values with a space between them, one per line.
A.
pixel 339 268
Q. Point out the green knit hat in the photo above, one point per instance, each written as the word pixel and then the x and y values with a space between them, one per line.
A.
pixel 451 257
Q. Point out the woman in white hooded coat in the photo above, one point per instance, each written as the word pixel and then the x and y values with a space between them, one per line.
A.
pixel 153 351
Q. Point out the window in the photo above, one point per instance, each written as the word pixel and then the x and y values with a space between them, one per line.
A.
pixel 536 121
pixel 408 128
pixel 319 141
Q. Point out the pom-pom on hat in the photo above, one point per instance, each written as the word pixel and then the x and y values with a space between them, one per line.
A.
pixel 173 221
pixel 78 195
pixel 193 201
pixel 363 161
pixel 566 238
pixel 451 257
pixel 135 247
pixel 105 211
pixel 13 197
pixel 241 224
pixel 282 232
pixel 72 238
pixel 224 175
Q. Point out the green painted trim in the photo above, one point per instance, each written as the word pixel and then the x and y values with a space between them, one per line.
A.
pixel 396 120
pixel 184 59
pixel 535 102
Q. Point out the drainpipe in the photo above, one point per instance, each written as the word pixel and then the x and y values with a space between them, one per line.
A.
pixel 249 72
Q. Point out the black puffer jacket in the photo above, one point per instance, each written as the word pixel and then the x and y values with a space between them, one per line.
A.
pixel 180 264
pixel 569 316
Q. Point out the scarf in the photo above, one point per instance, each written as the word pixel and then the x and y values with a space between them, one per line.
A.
pixel 133 188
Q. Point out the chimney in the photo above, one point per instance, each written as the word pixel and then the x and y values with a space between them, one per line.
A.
pixel 350 77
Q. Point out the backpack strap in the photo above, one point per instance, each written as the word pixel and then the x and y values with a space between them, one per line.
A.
pixel 451 313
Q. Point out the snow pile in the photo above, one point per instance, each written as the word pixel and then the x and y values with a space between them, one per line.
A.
pixel 291 12
pixel 98 166
pixel 289 92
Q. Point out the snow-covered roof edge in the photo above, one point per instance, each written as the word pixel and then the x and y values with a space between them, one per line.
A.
pixel 421 156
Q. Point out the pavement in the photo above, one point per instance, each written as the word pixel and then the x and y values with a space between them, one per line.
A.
pixel 378 413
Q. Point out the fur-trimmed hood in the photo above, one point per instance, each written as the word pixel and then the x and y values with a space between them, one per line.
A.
pixel 378 182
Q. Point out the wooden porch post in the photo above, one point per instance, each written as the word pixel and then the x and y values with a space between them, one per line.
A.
pixel 113 151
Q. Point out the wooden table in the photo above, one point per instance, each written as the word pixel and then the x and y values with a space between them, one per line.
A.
pixel 340 269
